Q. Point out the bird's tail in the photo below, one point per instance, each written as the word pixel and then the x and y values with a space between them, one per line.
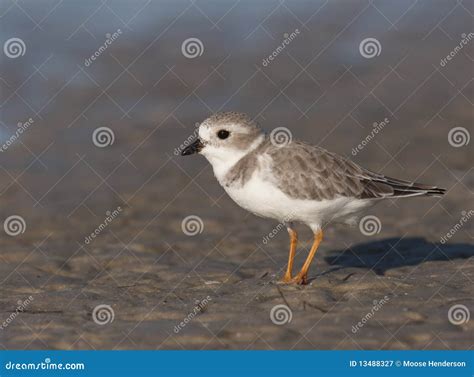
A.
pixel 384 186
pixel 403 188
pixel 417 189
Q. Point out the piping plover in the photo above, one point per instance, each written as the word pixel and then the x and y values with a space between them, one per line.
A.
pixel 292 182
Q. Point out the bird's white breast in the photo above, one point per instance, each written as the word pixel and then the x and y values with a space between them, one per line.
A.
pixel 261 196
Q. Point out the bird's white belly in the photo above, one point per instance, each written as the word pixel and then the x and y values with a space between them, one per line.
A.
pixel 264 199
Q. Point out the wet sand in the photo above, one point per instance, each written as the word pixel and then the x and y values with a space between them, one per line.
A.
pixel 142 264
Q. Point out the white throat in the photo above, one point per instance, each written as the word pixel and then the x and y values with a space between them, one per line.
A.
pixel 223 159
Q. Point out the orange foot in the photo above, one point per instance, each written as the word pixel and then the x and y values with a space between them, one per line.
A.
pixel 300 279
pixel 286 279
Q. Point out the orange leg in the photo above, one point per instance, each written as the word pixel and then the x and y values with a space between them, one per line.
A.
pixel 291 255
pixel 302 277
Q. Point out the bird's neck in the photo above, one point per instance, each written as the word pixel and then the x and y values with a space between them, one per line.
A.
pixel 224 159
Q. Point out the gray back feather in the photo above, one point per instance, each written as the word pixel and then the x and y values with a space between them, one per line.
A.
pixel 307 172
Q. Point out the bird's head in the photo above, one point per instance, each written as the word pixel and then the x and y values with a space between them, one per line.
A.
pixel 226 137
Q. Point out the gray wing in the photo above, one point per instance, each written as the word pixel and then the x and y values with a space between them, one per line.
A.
pixel 307 172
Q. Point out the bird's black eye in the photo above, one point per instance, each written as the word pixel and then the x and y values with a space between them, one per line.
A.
pixel 223 134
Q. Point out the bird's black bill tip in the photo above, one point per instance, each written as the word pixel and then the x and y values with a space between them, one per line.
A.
pixel 195 147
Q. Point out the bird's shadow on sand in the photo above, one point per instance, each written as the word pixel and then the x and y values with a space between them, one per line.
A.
pixel 385 254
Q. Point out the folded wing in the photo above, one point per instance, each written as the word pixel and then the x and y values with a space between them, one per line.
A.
pixel 307 172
